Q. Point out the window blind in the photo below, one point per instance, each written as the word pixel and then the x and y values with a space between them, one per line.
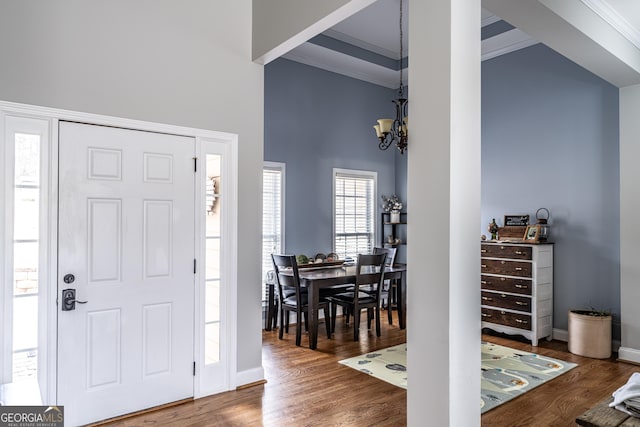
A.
pixel 272 217
pixel 354 208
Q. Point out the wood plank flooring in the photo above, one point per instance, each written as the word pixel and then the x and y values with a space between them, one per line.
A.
pixel 309 388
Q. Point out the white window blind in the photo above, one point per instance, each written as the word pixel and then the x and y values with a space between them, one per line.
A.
pixel 354 210
pixel 272 215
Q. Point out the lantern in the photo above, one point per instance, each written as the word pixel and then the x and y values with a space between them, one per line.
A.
pixel 542 219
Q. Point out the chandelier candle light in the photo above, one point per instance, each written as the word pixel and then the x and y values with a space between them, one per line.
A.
pixel 396 130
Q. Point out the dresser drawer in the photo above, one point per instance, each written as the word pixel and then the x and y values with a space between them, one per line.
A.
pixel 506 284
pixel 505 251
pixel 500 300
pixel 515 320
pixel 508 268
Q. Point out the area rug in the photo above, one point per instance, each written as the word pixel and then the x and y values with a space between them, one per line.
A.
pixel 505 373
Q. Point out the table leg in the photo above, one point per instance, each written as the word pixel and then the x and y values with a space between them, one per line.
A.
pixel 402 302
pixel 313 316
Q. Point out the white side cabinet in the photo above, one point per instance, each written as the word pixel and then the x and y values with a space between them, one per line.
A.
pixel 517 289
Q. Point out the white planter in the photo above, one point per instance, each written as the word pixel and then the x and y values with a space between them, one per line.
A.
pixel 394 216
pixel 589 336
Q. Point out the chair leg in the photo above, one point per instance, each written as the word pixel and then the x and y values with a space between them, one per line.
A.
pixel 298 328
pixel 369 317
pixel 286 319
pixel 390 313
pixel 282 323
pixel 306 321
pixel 346 312
pixel 334 312
pixel 327 320
pixel 378 320
pixel 356 325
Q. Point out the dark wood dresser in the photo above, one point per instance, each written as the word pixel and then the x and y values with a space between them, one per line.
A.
pixel 517 289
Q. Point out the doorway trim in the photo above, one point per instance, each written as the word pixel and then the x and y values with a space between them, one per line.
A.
pixel 49 277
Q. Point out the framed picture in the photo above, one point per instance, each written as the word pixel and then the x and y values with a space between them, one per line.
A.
pixel 532 235
pixel 516 220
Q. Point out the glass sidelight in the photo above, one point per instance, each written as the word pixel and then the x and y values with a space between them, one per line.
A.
pixel 214 200
pixel 24 156
pixel 26 214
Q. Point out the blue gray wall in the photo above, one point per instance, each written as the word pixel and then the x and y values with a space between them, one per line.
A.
pixel 550 136
pixel 549 139
pixel 315 121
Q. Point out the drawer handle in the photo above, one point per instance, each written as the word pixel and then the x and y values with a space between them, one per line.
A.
pixel 483 265
pixel 503 262
pixel 518 268
pixel 484 282
pixel 503 279
pixel 503 296
pixel 501 247
pixel 487 299
pixel 483 251
pixel 524 322
pixel 521 286
pixel 521 303
pixel 486 315
pixel 518 252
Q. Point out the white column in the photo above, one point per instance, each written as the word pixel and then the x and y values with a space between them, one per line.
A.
pixel 629 226
pixel 444 218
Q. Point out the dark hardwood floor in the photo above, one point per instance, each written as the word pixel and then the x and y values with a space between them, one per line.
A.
pixel 309 388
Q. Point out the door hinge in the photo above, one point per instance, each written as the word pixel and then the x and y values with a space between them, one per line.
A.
pixel 194 266
pixel 194 369
pixel 195 164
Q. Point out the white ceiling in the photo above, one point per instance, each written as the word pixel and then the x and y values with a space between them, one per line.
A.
pixel 376 29
pixel 383 37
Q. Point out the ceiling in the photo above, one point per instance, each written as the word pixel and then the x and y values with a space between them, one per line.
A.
pixel 366 45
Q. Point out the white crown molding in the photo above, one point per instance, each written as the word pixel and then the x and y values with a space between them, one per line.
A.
pixel 347 65
pixel 490 20
pixel 361 44
pixel 506 42
pixel 340 63
pixel 613 18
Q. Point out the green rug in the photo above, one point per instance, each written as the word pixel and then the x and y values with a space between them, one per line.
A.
pixel 506 373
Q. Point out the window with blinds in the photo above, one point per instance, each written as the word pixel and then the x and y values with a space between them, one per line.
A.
pixel 272 215
pixel 353 212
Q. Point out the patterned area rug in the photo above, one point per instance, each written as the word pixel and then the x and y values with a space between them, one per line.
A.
pixel 506 373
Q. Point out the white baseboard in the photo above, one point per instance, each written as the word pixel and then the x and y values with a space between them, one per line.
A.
pixel 629 354
pixel 249 376
pixel 563 335
pixel 560 335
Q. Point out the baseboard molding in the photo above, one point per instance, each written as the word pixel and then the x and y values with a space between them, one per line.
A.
pixel 560 335
pixel 249 376
pixel 629 355
pixel 563 335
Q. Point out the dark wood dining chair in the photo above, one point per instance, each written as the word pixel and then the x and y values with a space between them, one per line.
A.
pixel 293 298
pixel 390 286
pixel 369 276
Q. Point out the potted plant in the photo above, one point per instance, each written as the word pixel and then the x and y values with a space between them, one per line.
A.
pixel 393 205
pixel 590 333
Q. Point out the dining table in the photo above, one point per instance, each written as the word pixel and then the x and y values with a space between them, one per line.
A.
pixel 320 277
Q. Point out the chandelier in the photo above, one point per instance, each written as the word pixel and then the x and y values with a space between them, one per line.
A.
pixel 395 131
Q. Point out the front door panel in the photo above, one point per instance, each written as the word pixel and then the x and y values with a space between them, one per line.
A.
pixel 126 234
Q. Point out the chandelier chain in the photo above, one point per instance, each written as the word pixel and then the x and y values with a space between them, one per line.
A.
pixel 401 52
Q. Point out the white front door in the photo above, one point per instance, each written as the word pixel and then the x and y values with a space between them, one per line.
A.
pixel 126 234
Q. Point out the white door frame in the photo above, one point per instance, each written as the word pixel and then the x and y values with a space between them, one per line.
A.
pixel 48 390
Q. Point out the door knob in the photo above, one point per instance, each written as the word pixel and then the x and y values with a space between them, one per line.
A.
pixel 69 300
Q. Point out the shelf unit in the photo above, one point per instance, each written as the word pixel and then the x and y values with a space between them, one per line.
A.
pixel 394 227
